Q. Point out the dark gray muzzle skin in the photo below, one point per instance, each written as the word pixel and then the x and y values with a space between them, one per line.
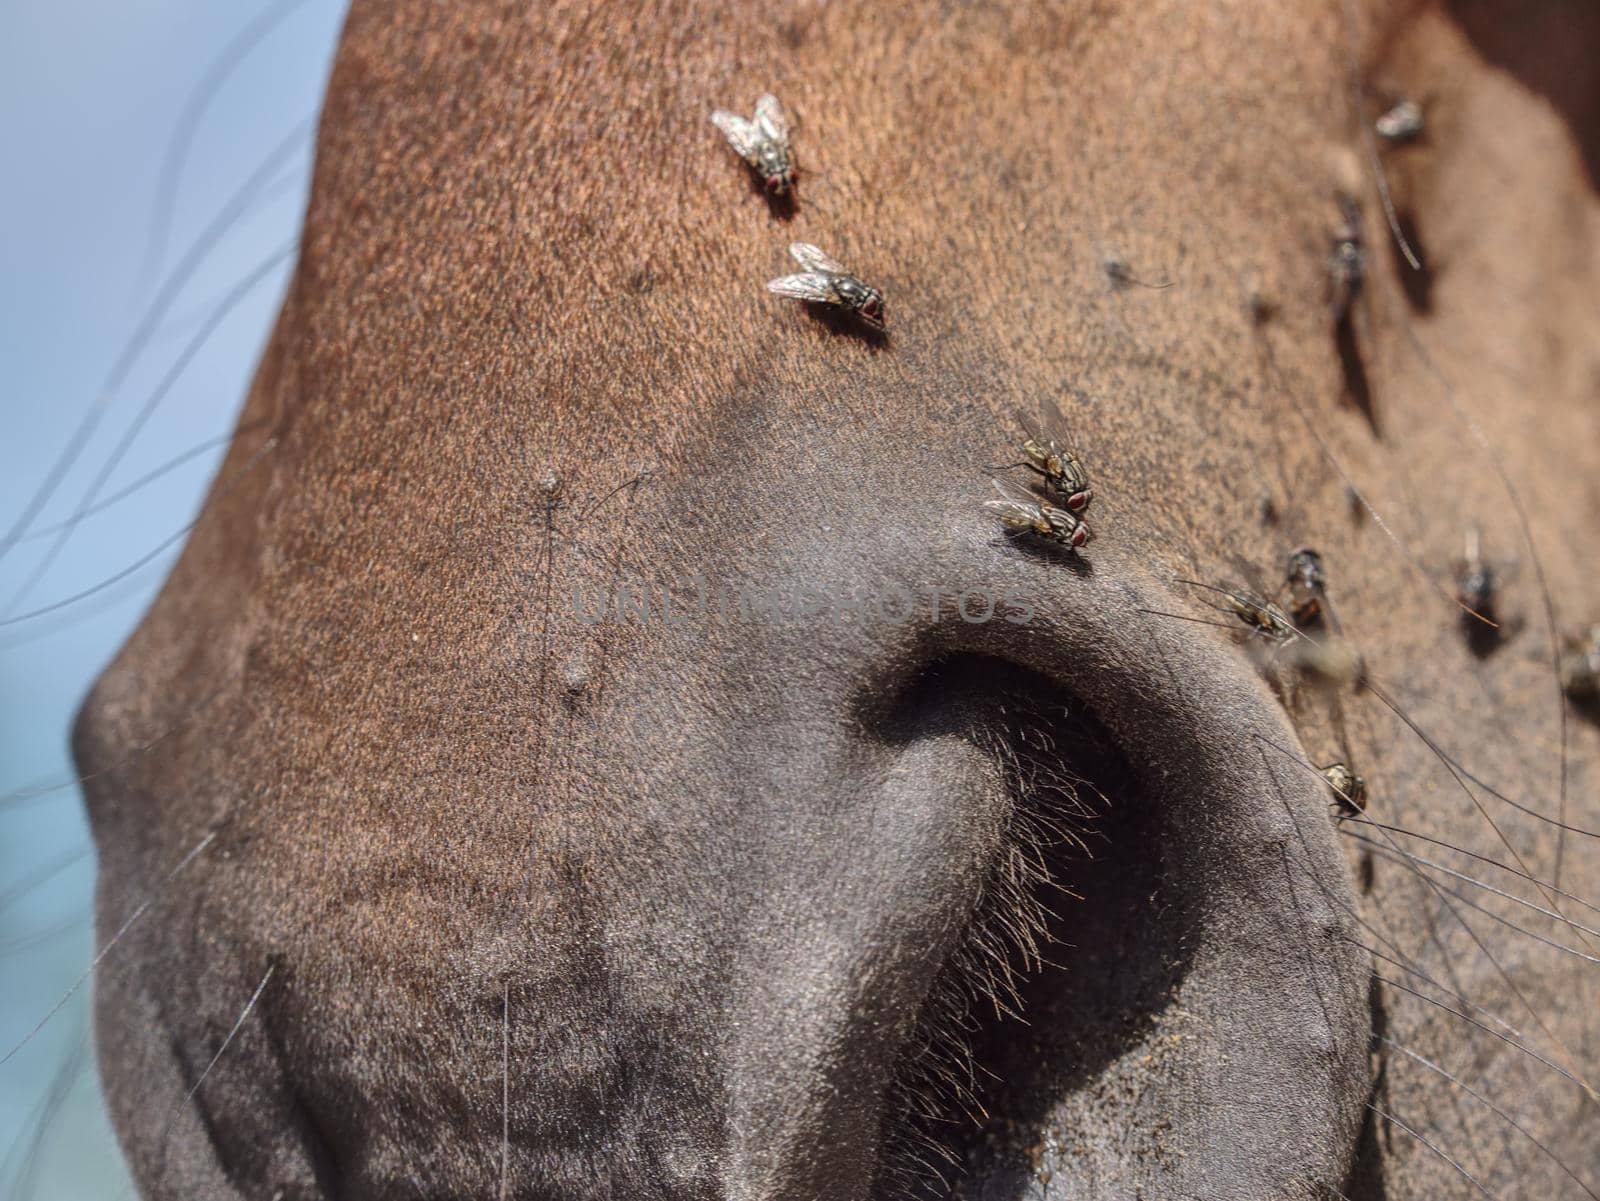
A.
pixel 1238 1065
pixel 694 951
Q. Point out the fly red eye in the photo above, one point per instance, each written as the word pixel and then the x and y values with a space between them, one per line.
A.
pixel 1080 535
pixel 1079 501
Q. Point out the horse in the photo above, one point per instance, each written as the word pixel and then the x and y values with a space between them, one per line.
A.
pixel 597 742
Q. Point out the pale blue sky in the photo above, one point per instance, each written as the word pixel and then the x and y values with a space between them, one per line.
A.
pixel 91 95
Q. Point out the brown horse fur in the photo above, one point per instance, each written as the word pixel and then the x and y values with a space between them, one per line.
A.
pixel 686 909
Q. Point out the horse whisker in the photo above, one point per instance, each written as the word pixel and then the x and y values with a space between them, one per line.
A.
pixel 194 108
pixel 1490 1105
pixel 1466 1175
pixel 1523 901
pixel 132 920
pixel 1365 820
pixel 141 335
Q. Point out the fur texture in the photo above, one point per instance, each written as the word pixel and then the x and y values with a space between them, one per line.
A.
pixel 686 879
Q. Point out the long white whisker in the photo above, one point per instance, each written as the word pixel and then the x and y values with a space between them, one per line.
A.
pixel 177 1108
pixel 132 920
pixel 243 1015
pixel 1490 1105
pixel 1466 1175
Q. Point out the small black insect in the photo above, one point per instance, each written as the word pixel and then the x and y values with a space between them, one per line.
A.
pixel 1026 515
pixel 1349 790
pixel 1475 579
pixel 1122 276
pixel 762 142
pixel 1580 667
pixel 825 281
pixel 1307 582
pixel 1347 265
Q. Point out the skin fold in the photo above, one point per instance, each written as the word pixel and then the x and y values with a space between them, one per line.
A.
pixel 556 907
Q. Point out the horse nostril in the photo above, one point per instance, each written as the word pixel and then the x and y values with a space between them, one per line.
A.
pixel 1153 923
pixel 1071 954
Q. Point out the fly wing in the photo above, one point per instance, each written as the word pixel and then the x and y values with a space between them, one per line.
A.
pixel 1047 426
pixel 1013 514
pixel 1013 495
pixel 771 119
pixel 741 134
pixel 807 286
pixel 812 259
pixel 1030 424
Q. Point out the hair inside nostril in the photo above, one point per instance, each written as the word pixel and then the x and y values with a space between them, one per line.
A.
pixel 1072 952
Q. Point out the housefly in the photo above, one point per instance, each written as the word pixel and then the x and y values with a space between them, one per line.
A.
pixel 1402 123
pixel 1039 517
pixel 1475 578
pixel 1061 470
pixel 824 281
pixel 1580 666
pixel 1347 264
pixel 1308 586
pixel 1261 618
pixel 762 142
pixel 1349 789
